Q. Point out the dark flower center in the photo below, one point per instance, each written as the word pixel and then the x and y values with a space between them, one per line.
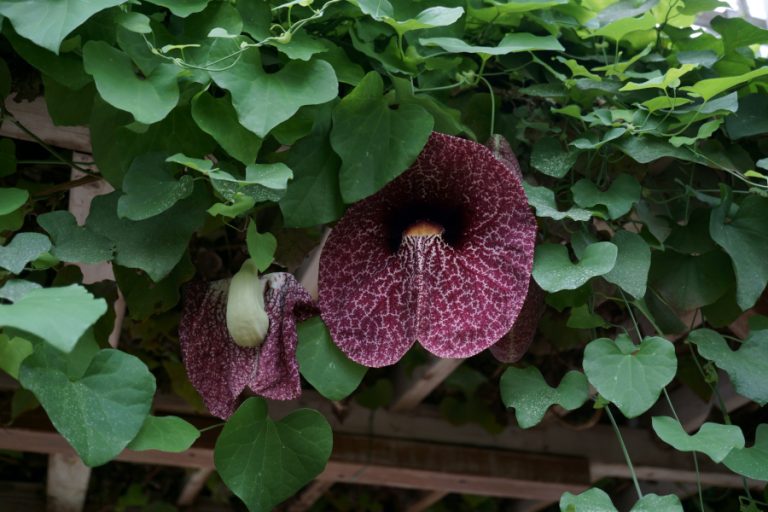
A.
pixel 422 219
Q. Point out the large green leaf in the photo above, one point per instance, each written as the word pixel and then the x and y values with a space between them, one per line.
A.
pixel 711 87
pixel 747 367
pixel 59 316
pixel 549 157
pixel 12 352
pixel 750 119
pixel 690 281
pixel 261 247
pixel 164 433
pixel 264 461
pixel 751 462
pixel 554 271
pixel 511 43
pixel 148 98
pixel 150 188
pixel 543 201
pixel 375 142
pixel 324 366
pixel 591 500
pixel 383 10
pixel 73 243
pixel 633 262
pixel 738 33
pixel 744 236
pixel 618 199
pixel 631 376
pixel 528 393
pixel 14 289
pixel 182 8
pixel 47 23
pixel 714 440
pixel 145 297
pixel 24 247
pixel 264 100
pixel 12 199
pixel 313 197
pixel 99 411
pixel 154 245
pixel 217 117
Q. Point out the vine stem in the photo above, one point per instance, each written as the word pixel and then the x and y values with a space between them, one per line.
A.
pixel 493 104
pixel 211 427
pixel 624 451
pixel 695 457
pixel 4 114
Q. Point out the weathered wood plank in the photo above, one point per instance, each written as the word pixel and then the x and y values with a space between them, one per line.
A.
pixel 423 382
pixel 33 115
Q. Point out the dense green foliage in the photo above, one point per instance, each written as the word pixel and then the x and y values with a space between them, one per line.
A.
pixel 643 140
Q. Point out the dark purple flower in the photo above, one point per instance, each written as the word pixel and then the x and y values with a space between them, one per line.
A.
pixel 442 255
pixel 219 368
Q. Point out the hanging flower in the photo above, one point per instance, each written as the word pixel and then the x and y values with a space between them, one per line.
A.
pixel 218 367
pixel 442 254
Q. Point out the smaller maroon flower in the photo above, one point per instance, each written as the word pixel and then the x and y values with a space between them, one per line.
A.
pixel 219 368
pixel 441 255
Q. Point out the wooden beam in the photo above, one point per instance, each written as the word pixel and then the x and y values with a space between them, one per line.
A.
pixel 393 463
pixel 33 115
pixel 309 495
pixel 426 500
pixel 193 485
pixel 424 381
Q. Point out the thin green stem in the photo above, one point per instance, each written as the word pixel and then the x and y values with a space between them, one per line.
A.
pixel 624 450
pixel 211 427
pixel 493 105
pixel 695 457
pixel 7 115
pixel 631 314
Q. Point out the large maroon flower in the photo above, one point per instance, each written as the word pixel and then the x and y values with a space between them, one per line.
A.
pixel 442 255
pixel 220 369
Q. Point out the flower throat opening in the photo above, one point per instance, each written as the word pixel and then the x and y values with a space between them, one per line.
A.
pixel 422 219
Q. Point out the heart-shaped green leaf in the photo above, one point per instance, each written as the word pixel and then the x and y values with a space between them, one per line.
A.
pixel 384 11
pixel 631 376
pixel 591 500
pixel 59 316
pixel 14 289
pixel 164 433
pixel 11 199
pixel 324 366
pixel 744 236
pixel 751 462
pixel 149 188
pixel 261 247
pixel 73 243
pixel 148 98
pixel 217 118
pixel 543 201
pixel 596 500
pixel 24 247
pixel 714 440
pixel 690 281
pixel 182 8
pixel 375 143
pixel 747 367
pixel 98 411
pixel 618 199
pixel 528 393
pixel 265 462
pixel 313 196
pixel 48 23
pixel 511 43
pixel 549 157
pixel 633 261
pixel 554 271
pixel 154 245
pixel 12 352
pixel 264 100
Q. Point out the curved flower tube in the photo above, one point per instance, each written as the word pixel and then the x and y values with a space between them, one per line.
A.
pixel 219 368
pixel 442 254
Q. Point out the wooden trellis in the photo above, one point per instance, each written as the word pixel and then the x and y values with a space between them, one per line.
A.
pixel 408 446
